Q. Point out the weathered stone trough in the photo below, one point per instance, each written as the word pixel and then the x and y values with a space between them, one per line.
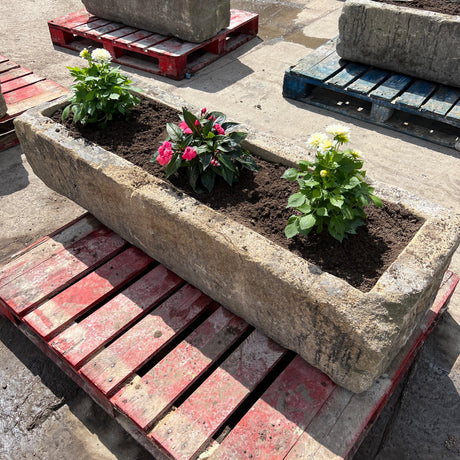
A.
pixel 423 44
pixel 350 335
pixel 190 20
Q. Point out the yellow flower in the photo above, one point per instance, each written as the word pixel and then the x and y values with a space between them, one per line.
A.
pixel 315 139
pixel 323 173
pixel 325 145
pixel 84 53
pixel 356 153
pixel 340 133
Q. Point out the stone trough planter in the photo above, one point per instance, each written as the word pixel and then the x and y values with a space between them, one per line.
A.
pixel 350 335
pixel 411 41
pixel 190 20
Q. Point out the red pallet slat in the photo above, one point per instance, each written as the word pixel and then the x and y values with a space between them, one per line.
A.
pixel 51 316
pixel 20 82
pixel 127 354
pixel 146 398
pixel 82 340
pixel 183 432
pixel 15 72
pixel 206 382
pixel 168 56
pixel 59 271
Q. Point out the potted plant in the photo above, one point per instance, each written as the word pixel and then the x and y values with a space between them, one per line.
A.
pixel 350 335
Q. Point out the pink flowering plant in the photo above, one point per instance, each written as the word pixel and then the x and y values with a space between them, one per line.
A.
pixel 332 189
pixel 207 147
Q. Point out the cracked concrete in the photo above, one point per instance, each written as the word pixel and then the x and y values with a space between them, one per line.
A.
pixel 246 84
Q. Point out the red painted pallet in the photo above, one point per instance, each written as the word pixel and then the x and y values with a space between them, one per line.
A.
pixel 22 90
pixel 148 51
pixel 184 376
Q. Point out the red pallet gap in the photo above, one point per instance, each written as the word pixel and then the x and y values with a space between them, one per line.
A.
pixel 22 90
pixel 179 372
pixel 148 51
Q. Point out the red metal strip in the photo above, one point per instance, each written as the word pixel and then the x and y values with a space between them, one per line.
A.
pixel 131 351
pixel 183 432
pixel 82 340
pixel 146 399
pixel 57 272
pixel 278 419
pixel 53 315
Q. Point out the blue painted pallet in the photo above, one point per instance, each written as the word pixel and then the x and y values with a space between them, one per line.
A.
pixel 385 91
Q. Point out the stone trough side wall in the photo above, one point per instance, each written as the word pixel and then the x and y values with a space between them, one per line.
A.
pixel 350 335
pixel 419 43
pixel 190 20
pixel 3 107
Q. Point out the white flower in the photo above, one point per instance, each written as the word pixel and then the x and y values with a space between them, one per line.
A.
pixel 315 139
pixel 340 133
pixel 325 145
pixel 101 55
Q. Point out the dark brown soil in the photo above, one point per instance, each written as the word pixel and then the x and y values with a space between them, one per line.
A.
pixel 259 202
pixel 439 6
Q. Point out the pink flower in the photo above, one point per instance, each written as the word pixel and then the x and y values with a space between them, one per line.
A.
pixel 212 117
pixel 185 128
pixel 203 111
pixel 189 153
pixel 165 153
pixel 214 162
pixel 219 129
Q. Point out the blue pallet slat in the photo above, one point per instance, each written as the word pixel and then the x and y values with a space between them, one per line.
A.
pixel 347 75
pixel 314 57
pixel 390 88
pixel 414 96
pixel 368 81
pixel 454 114
pixel 326 68
pixel 442 101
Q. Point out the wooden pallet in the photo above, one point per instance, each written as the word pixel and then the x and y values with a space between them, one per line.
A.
pixel 385 92
pixel 151 52
pixel 178 371
pixel 22 90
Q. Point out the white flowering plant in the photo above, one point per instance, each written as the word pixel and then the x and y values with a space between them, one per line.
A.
pixel 332 189
pixel 207 146
pixel 99 90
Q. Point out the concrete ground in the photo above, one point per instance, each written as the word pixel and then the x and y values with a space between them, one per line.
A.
pixel 42 413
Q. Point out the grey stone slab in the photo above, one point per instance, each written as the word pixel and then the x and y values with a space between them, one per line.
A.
pixel 190 20
pixel 415 42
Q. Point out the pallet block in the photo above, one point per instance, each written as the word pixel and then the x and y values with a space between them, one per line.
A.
pixel 387 92
pixel 22 90
pixel 182 374
pixel 148 51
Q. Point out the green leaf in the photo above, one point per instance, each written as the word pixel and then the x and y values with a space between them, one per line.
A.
pixel 237 136
pixel 305 165
pixel 205 159
pixel 174 132
pixel 174 164
pixel 296 200
pixel 190 119
pixel 336 201
pixel 208 178
pixel 307 222
pixel 292 227
pixel 290 174
pixel 322 212
pixel 377 201
pixel 305 208
pixel 226 173
pixel 66 112
pixel 226 162
pixel 114 96
pixel 193 173
pixel 248 162
pixel 352 183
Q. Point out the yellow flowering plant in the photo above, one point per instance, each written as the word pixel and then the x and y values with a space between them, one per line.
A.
pixel 332 189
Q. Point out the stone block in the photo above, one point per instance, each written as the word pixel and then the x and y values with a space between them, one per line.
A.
pixel 350 335
pixel 190 20
pixel 415 42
